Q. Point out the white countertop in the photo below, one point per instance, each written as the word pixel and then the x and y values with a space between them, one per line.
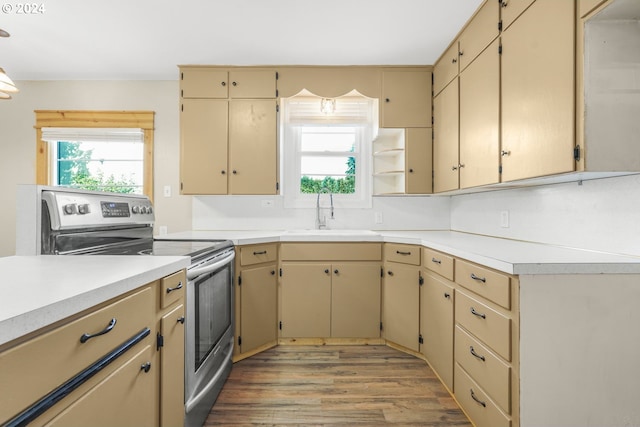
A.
pixel 40 290
pixel 509 256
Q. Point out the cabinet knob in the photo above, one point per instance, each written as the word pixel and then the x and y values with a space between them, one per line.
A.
pixel 235 172
pixel 181 319
pixel 454 168
pixel 223 83
pixel 336 271
pixel 454 60
pixel 461 165
pixel 234 83
pixel 460 53
pixel 387 100
pixel 223 172
pixel 390 273
pixel 326 271
pixel 273 272
pixel 145 367
pixel 447 295
pixel 410 170
pixel 504 3
pixel 505 153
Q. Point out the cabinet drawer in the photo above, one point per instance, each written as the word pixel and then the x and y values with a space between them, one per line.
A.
pixel 250 255
pixel 406 254
pixel 331 252
pixel 172 288
pixel 488 325
pixel 491 373
pixel 49 360
pixel 438 262
pixel 482 411
pixel 492 285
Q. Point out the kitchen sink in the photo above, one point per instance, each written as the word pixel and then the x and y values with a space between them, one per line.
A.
pixel 336 232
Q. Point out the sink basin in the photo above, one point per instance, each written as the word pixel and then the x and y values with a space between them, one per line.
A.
pixel 329 235
pixel 335 232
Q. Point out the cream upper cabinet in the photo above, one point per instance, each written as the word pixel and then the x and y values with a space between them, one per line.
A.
pixel 480 119
pixel 228 131
pixel 445 139
pixel 538 81
pixel 483 28
pixel 418 153
pixel 406 98
pixel 512 9
pixel 586 6
pixel 446 68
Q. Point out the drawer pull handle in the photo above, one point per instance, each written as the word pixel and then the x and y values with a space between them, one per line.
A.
pixel 260 253
pixel 474 354
pixel 473 396
pixel 181 319
pixel 437 261
pixel 86 337
pixel 447 295
pixel 475 313
pixel 479 279
pixel 403 253
pixel 145 367
pixel 169 290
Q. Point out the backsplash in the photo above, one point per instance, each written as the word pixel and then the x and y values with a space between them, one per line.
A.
pixel 249 213
pixel 601 214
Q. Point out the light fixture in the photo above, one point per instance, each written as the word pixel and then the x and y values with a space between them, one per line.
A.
pixel 7 86
pixel 328 105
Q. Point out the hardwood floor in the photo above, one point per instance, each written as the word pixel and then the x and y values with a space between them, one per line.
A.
pixel 334 385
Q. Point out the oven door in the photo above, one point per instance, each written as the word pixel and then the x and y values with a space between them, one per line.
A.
pixel 209 334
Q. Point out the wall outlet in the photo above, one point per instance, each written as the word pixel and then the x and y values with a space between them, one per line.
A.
pixel 167 191
pixel 504 219
pixel 162 230
pixel 377 218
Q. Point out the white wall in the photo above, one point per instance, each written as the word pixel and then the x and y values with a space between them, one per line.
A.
pixel 18 139
pixel 602 214
pixel 248 213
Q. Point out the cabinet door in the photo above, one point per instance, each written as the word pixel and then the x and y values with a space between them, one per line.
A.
pixel 258 302
pixel 436 326
pixel 203 83
pixel 418 151
pixel 253 147
pixel 406 99
pixel 446 69
pixel 445 139
pixel 203 146
pixel 252 84
pixel 401 303
pixel 481 31
pixel 538 66
pixel 305 300
pixel 480 120
pixel 512 9
pixel 355 300
pixel 172 368
pixel 125 398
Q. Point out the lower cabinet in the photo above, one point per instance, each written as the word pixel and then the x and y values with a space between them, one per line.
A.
pixel 122 363
pixel 401 295
pixel 336 298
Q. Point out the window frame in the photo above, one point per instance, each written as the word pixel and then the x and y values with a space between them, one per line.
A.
pixel 94 119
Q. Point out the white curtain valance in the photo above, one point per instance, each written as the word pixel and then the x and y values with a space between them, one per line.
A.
pixel 93 134
pixel 306 108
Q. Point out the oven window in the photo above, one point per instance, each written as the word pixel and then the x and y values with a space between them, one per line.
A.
pixel 212 311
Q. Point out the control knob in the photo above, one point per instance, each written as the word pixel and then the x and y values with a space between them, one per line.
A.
pixel 135 209
pixel 69 209
pixel 84 209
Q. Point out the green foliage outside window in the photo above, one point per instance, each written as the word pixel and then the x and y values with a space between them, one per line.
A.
pixel 345 185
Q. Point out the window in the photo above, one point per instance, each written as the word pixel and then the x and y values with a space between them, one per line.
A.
pixel 96 159
pixel 327 149
pixel 96 150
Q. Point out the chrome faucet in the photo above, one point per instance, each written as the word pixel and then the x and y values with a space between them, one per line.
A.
pixel 322 222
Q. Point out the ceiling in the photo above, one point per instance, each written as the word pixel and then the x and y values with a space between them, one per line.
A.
pixel 147 39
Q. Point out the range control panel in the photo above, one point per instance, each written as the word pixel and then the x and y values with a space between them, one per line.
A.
pixel 74 209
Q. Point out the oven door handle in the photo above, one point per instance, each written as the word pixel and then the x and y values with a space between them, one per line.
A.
pixel 195 272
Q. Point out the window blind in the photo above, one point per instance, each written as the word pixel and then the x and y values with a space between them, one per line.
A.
pixel 306 108
pixel 93 134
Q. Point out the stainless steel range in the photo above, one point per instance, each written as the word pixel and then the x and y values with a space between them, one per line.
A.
pixel 56 221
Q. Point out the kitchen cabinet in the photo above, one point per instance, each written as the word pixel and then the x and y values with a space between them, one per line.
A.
pixel 406 98
pixel 512 9
pixel 538 135
pixel 401 295
pixel 139 385
pixel 228 132
pixel 330 290
pixel 446 139
pixel 256 298
pixel 402 161
pixel 481 30
pixel 437 297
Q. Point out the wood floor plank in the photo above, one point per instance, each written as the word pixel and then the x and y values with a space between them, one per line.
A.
pixel 334 386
